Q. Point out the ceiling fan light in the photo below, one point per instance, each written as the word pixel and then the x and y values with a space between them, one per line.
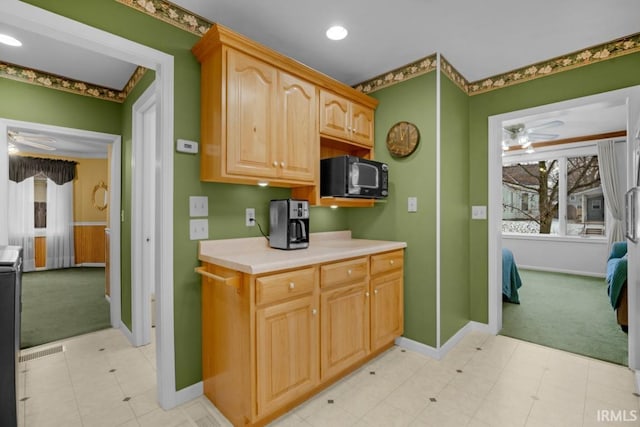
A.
pixel 10 41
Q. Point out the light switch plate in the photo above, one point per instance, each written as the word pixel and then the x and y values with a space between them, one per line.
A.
pixel 412 204
pixel 198 206
pixel 478 212
pixel 198 229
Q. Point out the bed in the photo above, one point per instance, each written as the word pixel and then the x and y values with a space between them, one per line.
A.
pixel 510 278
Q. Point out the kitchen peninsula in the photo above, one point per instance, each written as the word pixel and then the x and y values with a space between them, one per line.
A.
pixel 278 326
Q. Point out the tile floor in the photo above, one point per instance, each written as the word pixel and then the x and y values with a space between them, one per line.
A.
pixel 100 380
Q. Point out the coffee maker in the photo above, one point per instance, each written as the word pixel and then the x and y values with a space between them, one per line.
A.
pixel 289 224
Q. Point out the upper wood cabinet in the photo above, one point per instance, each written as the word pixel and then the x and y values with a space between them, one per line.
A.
pixel 261 115
pixel 344 119
pixel 267 125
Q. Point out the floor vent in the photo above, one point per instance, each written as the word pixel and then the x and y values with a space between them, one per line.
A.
pixel 41 353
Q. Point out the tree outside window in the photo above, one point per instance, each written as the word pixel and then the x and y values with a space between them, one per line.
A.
pixel 535 194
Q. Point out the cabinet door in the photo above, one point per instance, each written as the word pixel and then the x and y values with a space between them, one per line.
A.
pixel 298 130
pixel 344 328
pixel 387 314
pixel 335 117
pixel 286 352
pixel 362 124
pixel 251 116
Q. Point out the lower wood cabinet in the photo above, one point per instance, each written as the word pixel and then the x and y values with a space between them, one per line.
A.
pixel 344 327
pixel 286 351
pixel 271 341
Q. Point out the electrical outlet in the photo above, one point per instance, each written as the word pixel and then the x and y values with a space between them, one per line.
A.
pixel 250 217
pixel 198 229
pixel 198 206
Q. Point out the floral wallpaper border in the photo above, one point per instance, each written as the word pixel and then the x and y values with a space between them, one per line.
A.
pixel 170 14
pixel 417 68
pixel 39 78
pixel 622 46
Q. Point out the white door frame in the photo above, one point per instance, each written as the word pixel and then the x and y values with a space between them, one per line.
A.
pixel 75 33
pixel 620 96
pixel 143 236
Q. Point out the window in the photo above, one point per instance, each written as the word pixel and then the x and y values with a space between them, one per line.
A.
pixel 40 202
pixel 557 193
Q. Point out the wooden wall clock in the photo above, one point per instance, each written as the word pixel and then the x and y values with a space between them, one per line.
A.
pixel 402 139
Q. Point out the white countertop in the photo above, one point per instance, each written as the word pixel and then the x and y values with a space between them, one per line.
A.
pixel 254 256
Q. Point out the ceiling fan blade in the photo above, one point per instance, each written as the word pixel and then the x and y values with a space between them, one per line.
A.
pixel 35 144
pixel 542 136
pixel 552 123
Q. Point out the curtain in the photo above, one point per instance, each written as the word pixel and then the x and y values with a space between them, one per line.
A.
pixel 60 171
pixel 60 253
pixel 21 231
pixel 613 194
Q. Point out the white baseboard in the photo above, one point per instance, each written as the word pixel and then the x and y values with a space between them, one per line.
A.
pixel 439 353
pixel 127 333
pixel 91 264
pixel 560 270
pixel 188 393
pixel 637 381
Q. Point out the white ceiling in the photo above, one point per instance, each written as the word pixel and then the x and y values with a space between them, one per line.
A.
pixel 480 39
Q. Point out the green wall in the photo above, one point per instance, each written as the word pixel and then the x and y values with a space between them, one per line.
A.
pixel 226 202
pixel 600 77
pixel 454 209
pixel 31 103
pixel 415 175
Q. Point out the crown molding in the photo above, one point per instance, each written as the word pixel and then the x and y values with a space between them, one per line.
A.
pixel 52 81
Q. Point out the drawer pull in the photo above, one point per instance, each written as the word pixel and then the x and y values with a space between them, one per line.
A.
pixel 349 272
pixel 292 285
pixel 366 294
pixel 391 262
pixel 230 281
pixel 375 292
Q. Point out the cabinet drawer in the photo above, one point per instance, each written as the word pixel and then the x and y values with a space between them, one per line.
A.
pixel 389 261
pixel 284 285
pixel 343 272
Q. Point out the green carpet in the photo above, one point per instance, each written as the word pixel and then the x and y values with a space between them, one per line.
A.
pixel 567 312
pixel 63 303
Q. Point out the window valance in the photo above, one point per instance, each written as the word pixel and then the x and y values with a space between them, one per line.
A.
pixel 59 171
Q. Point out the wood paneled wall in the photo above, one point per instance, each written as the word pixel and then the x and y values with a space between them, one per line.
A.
pixel 89 243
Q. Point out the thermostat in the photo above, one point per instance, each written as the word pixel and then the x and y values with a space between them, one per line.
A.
pixel 185 146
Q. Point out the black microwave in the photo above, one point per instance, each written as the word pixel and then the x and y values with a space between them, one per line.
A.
pixel 350 176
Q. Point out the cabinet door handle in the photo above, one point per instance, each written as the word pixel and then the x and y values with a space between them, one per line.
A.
pixel 314 311
pixel 282 164
pixel 391 262
pixel 375 292
pixel 349 272
pixel 292 285
pixel 366 294
pixel 275 163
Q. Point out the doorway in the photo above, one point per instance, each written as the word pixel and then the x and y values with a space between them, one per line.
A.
pixel 96 163
pixel 78 34
pixel 631 99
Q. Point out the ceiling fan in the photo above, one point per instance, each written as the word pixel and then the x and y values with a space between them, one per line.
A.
pixel 520 136
pixel 34 140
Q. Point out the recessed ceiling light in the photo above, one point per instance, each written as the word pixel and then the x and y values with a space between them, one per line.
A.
pixel 8 40
pixel 337 32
